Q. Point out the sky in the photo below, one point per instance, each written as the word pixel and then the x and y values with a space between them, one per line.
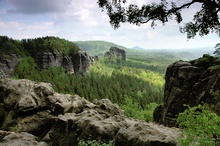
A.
pixel 82 20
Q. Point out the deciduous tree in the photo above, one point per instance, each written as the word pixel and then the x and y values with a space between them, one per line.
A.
pixel 205 19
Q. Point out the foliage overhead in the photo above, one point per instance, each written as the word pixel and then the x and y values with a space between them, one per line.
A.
pixel 217 50
pixel 205 20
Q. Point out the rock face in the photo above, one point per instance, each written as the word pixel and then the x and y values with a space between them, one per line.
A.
pixel 81 62
pixel 8 63
pixel 75 63
pixel 78 63
pixel 116 53
pixel 39 116
pixel 191 83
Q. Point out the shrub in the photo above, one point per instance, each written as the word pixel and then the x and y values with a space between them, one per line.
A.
pixel 199 126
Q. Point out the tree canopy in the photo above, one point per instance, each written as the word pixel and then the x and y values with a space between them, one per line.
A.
pixel 205 20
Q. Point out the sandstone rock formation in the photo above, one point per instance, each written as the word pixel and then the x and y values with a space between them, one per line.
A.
pixel 39 116
pixel 189 83
pixel 75 63
pixel 116 53
pixel 81 62
pixel 78 63
pixel 8 63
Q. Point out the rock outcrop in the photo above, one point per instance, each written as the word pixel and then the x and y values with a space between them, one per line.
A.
pixel 8 63
pixel 74 63
pixel 189 83
pixel 81 62
pixel 53 59
pixel 39 116
pixel 116 53
pixel 78 63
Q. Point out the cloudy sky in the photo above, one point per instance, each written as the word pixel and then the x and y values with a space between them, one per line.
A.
pixel 81 20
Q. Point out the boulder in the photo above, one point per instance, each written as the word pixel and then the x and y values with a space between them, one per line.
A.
pixel 19 139
pixel 189 83
pixel 146 134
pixel 31 110
pixel 95 125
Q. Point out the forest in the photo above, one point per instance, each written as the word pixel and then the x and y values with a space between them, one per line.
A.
pixel 136 85
pixel 26 47
pixel 123 83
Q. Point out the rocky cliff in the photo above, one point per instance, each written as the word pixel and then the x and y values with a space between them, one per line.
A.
pixel 78 63
pixel 8 63
pixel 75 63
pixel 116 53
pixel 33 114
pixel 189 83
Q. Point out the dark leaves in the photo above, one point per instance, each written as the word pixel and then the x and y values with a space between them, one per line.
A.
pixel 206 20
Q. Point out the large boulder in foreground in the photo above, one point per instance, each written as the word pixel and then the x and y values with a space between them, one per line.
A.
pixel 19 139
pixel 189 83
pixel 34 114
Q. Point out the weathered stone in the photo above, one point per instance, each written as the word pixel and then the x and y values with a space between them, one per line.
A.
pixel 81 62
pixel 8 64
pixel 105 105
pixel 146 134
pixel 4 133
pixel 38 124
pixel 27 103
pixel 90 124
pixel 188 83
pixel 44 89
pixel 64 119
pixel 116 53
pixel 67 103
pixel 73 63
pixel 20 139
pixel 48 59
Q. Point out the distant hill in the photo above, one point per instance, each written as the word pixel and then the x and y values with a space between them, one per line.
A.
pixel 96 47
pixel 138 48
pixel 180 53
pixel 100 47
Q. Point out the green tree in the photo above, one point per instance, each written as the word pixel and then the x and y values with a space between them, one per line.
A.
pixel 11 46
pixel 27 68
pixel 205 20
pixel 200 126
